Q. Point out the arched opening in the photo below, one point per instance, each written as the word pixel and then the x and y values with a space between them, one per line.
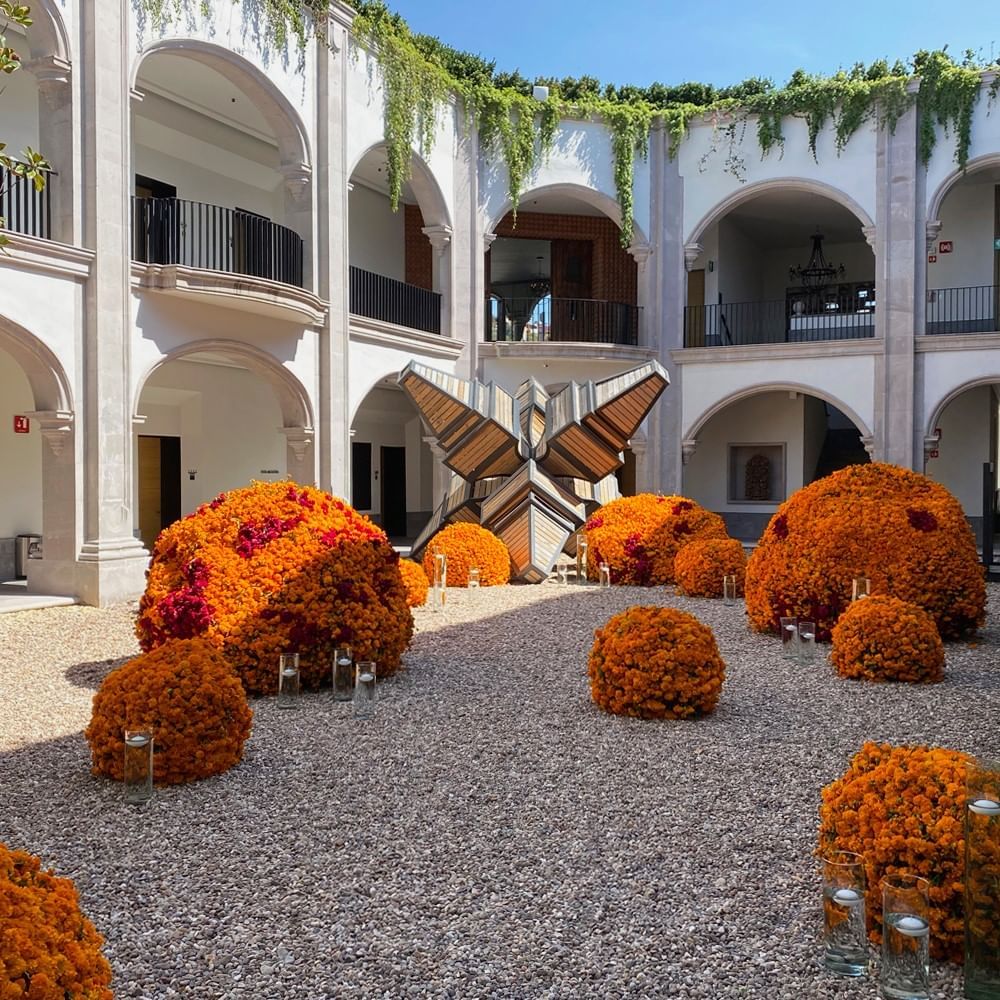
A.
pixel 392 466
pixel 558 272
pixel 210 419
pixel 963 259
pixel 400 262
pixel 39 114
pixel 962 448
pixel 787 262
pixel 221 167
pixel 748 455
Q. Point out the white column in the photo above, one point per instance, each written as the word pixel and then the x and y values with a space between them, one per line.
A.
pixel 442 474
pixel 112 561
pixel 441 268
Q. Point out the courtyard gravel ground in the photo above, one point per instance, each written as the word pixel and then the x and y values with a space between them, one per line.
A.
pixel 490 833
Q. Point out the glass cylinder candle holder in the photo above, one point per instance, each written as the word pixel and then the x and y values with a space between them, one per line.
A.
pixel 861 587
pixel 343 674
pixel 562 573
pixel 845 936
pixel 807 641
pixel 729 590
pixel 473 577
pixel 790 638
pixel 605 575
pixel 364 690
pixel 288 680
pixel 982 881
pixel 440 570
pixel 138 765
pixel 581 560
pixel 905 970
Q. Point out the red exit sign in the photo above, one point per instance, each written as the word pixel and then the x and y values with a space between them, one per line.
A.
pixel 22 425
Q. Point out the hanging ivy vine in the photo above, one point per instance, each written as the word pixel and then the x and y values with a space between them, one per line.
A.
pixel 420 73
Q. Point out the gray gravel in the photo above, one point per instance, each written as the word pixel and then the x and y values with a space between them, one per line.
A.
pixel 489 834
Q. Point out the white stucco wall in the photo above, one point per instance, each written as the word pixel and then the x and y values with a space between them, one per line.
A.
pixel 20 106
pixel 947 371
pixel 511 372
pixel 967 220
pixel 20 455
pixel 376 233
pixel 964 446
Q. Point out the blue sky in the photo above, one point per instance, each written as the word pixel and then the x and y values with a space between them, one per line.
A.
pixel 720 42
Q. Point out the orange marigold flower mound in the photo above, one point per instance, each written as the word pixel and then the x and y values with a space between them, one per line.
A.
pixel 276 568
pixel 48 949
pixel 189 696
pixel 468 545
pixel 655 663
pixel 902 808
pixel 700 566
pixel 883 638
pixel 903 531
pixel 416 582
pixel 639 536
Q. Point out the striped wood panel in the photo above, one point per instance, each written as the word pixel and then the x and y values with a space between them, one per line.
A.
pixel 579 454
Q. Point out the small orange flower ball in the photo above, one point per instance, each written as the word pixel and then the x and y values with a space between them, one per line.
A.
pixel 191 699
pixel 902 530
pixel 655 663
pixel 903 809
pixel 416 582
pixel 882 638
pixel 278 568
pixel 639 536
pixel 468 545
pixel 44 938
pixel 700 566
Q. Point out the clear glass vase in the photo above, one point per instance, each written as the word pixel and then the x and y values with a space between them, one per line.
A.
pixel 790 638
pixel 982 881
pixel 807 641
pixel 364 690
pixel 581 560
pixel 473 578
pixel 905 970
pixel 343 674
pixel 138 765
pixel 288 680
pixel 729 590
pixel 439 585
pixel 562 573
pixel 860 587
pixel 845 935
pixel 605 575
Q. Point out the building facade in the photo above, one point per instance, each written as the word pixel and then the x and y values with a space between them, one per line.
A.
pixel 213 288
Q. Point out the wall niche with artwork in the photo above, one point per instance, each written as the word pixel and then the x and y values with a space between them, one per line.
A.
pixel 756 473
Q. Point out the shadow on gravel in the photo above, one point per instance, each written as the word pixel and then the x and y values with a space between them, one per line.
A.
pixel 90 675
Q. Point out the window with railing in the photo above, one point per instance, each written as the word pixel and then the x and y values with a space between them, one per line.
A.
pixel 546 319
pixel 975 309
pixel 392 301
pixel 23 208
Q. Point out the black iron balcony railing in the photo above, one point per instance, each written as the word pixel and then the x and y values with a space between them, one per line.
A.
pixel 964 310
pixel 23 209
pixel 391 301
pixel 191 233
pixel 738 323
pixel 586 321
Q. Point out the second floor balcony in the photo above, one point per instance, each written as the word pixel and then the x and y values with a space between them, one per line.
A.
pixel 975 309
pixel 561 320
pixel 388 300
pixel 24 209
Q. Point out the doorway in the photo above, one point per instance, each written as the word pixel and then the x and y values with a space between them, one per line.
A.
pixel 159 485
pixel 393 475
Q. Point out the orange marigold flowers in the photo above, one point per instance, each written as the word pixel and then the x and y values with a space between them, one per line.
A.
pixel 415 580
pixel 902 530
pixel 882 638
pixel 655 663
pixel 48 949
pixel 898 807
pixel 468 545
pixel 276 568
pixel 191 699
pixel 639 536
pixel 700 566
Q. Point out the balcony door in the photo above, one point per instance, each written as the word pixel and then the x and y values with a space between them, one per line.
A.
pixel 159 485
pixel 572 285
pixel 393 499
pixel 156 226
pixel 252 244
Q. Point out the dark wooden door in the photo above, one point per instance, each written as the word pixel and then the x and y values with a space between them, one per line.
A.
pixel 159 485
pixel 393 476
pixel 694 316
pixel 572 289
pixel 361 475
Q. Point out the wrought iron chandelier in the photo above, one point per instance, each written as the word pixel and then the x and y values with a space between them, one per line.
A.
pixel 818 273
pixel 539 285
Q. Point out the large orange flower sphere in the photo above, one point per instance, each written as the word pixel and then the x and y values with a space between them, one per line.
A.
pixel 416 582
pixel 189 696
pixel 700 566
pixel 882 638
pixel 902 808
pixel 468 545
pixel 48 949
pixel 276 568
pixel 655 663
pixel 902 530
pixel 639 536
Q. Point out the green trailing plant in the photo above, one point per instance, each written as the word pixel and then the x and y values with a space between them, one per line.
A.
pixel 947 96
pixel 30 165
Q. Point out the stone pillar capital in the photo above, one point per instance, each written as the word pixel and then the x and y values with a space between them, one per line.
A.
pixel 488 239
pixel 692 251
pixel 868 443
pixel 688 448
pixel 932 229
pixel 296 177
pixel 869 233
pixel 439 237
pixel 641 252
pixel 299 439
pixel 56 427
pixel 52 72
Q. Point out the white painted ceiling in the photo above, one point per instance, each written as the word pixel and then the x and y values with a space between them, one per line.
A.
pixel 787 219
pixel 372 172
